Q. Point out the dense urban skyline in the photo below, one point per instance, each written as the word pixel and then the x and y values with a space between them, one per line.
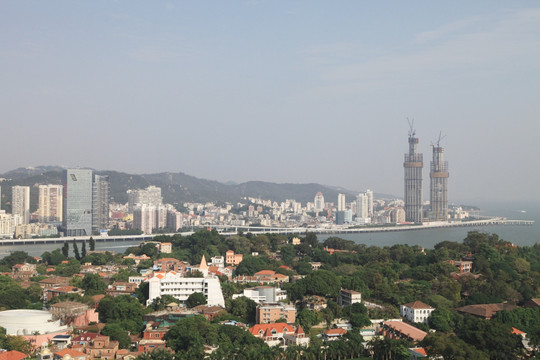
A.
pixel 276 91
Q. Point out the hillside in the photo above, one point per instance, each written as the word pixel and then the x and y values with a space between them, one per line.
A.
pixel 177 188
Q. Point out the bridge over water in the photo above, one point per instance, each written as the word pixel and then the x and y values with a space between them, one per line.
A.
pixel 228 230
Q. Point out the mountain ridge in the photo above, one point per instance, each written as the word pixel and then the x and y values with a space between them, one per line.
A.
pixel 176 188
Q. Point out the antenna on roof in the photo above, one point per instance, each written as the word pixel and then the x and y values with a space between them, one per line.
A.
pixel 412 132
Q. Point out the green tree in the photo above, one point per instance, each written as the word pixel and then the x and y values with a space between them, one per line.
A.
pixel 125 310
pixel 65 250
pixel 117 333
pixel 76 250
pixel 92 284
pixel 83 251
pixel 92 244
pixel 451 347
pixel 243 308
pixel 195 299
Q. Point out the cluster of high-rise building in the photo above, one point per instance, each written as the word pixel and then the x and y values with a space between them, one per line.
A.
pixel 413 196
pixel 79 207
pixel 150 213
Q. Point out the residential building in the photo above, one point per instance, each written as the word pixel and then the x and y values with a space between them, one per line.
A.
pixel 298 338
pixel 401 330
pixel 119 288
pixel 233 259
pixel 262 294
pixel 319 202
pixel 369 195
pixel 417 311
pixel 333 334
pixel 341 202
pixel 150 196
pixel 23 271
pixel 272 334
pixel 50 206
pixel 20 204
pixel 172 283
pixel 463 266
pixel 100 203
pixel 271 312
pixel 349 297
pixel 485 311
pixel 77 217
pixel 362 207
pixel 6 225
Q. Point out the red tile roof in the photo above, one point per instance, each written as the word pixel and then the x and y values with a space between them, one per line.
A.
pixel 407 330
pixel 279 327
pixel 485 311
pixel 335 332
pixel 418 305
pixel 12 355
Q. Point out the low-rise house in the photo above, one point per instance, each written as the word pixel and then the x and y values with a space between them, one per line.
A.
pixel 416 311
pixel 349 297
pixel 68 309
pixel 463 266
pixel 315 265
pixel 12 355
pixel 61 341
pixel 152 338
pixel 272 334
pixel 53 282
pixel 51 293
pixel 101 347
pixel 401 330
pixel 417 353
pixel 119 288
pixel 298 338
pixel 333 334
pixel 209 312
pixel 233 259
pixel 137 258
pixel 485 311
pixel 23 271
pixel 72 353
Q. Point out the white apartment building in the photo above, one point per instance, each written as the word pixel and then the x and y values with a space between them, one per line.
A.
pixel 50 203
pixel 263 294
pixel 21 204
pixel 416 311
pixel 319 202
pixel 181 288
pixel 349 297
pixel 341 202
pixel 6 225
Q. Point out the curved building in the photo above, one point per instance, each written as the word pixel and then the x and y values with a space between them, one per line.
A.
pixel 29 322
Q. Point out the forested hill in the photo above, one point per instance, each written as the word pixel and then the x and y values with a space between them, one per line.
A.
pixel 176 187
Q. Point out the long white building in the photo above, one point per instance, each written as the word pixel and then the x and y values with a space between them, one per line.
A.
pixel 173 284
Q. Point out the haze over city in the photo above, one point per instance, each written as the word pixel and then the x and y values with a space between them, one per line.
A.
pixel 276 91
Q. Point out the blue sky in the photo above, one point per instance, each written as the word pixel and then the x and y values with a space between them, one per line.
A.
pixel 283 91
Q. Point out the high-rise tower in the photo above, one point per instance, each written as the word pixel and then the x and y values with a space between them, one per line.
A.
pixel 77 218
pixel 439 184
pixel 100 203
pixel 21 204
pixel 413 165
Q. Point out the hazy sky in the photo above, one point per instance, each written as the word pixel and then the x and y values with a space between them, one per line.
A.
pixel 282 91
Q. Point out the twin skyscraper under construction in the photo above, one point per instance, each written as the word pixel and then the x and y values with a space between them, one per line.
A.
pixel 413 165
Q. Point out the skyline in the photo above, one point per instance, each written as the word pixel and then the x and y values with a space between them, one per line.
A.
pixel 276 91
